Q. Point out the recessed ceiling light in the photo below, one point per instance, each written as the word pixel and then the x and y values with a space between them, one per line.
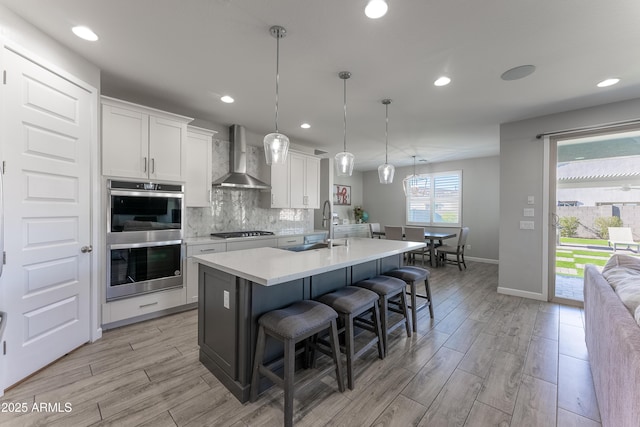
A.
pixel 85 33
pixel 227 99
pixel 518 72
pixel 608 82
pixel 305 126
pixel 376 9
pixel 579 158
pixel 442 81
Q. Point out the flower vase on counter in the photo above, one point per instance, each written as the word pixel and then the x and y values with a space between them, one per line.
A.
pixel 360 215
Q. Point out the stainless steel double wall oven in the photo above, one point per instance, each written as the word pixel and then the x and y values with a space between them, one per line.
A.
pixel 144 238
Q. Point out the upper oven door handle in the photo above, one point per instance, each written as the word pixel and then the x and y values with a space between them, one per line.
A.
pixel 144 244
pixel 145 194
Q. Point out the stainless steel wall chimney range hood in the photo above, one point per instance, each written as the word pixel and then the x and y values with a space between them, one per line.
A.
pixel 238 177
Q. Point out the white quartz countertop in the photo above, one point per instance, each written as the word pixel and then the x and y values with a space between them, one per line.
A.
pixel 272 266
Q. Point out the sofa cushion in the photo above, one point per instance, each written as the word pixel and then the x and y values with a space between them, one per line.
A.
pixel 623 274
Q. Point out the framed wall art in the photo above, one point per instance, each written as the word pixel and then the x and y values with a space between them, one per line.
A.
pixel 341 194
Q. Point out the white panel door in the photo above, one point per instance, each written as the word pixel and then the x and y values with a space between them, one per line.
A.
pixel 46 282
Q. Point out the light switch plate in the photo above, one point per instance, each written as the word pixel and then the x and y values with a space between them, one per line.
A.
pixel 526 225
pixel 530 200
pixel 528 212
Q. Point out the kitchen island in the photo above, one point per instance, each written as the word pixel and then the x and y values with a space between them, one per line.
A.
pixel 236 288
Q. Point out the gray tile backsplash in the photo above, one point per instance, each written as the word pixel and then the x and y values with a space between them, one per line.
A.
pixel 233 210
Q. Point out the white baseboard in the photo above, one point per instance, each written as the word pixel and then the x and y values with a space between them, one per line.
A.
pixel 523 294
pixel 485 260
pixel 97 334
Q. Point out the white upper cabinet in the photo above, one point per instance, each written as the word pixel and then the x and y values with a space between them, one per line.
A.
pixel 198 173
pixel 296 184
pixel 141 142
pixel 304 181
pixel 280 193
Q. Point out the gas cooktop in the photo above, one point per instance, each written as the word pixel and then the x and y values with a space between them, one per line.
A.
pixel 232 234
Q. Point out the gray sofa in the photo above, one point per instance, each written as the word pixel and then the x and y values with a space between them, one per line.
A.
pixel 613 341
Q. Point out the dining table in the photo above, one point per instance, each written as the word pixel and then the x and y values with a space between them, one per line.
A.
pixel 431 236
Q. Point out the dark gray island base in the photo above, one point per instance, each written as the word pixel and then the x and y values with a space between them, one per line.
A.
pixel 229 307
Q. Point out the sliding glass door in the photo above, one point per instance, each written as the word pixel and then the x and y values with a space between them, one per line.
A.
pixel 594 185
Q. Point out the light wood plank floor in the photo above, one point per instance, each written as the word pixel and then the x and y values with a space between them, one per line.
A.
pixel 486 360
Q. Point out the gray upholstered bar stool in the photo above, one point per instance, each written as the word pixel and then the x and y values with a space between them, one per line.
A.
pixel 393 297
pixel 412 276
pixel 291 325
pixel 352 304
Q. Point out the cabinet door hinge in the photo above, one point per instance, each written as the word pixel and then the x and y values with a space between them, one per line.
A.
pixel 4 258
pixel 4 77
pixel 4 347
pixel 4 167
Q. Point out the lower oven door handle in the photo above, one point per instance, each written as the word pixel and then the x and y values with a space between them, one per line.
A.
pixel 145 244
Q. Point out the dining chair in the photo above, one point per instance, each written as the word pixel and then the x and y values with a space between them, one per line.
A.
pixel 457 250
pixel 374 227
pixel 393 233
pixel 416 234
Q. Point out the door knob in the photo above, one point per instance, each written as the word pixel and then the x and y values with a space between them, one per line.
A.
pixel 86 249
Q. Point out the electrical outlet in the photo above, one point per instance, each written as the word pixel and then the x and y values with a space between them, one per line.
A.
pixel 226 299
pixel 468 247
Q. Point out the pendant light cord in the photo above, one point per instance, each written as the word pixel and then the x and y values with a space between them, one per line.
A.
pixel 345 115
pixel 277 75
pixel 386 134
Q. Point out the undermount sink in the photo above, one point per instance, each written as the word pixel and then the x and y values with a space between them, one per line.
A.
pixel 308 247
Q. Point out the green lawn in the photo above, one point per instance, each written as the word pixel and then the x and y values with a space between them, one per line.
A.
pixel 570 261
pixel 577 241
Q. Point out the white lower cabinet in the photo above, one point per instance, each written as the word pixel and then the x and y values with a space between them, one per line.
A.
pixel 283 242
pixel 192 265
pixel 251 244
pixel 127 308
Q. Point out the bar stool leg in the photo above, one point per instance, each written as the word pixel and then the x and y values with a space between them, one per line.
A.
pixel 414 312
pixel 383 321
pixel 349 349
pixel 428 289
pixel 335 352
pixel 382 353
pixel 403 299
pixel 289 369
pixel 256 364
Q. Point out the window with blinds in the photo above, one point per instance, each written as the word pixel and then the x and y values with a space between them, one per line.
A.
pixel 435 199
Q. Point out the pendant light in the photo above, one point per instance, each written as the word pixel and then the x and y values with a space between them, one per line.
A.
pixel 344 160
pixel 386 171
pixel 413 184
pixel 376 9
pixel 276 145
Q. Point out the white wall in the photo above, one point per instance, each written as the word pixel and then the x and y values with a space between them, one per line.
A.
pixel 385 203
pixel 15 29
pixel 521 174
pixel 355 181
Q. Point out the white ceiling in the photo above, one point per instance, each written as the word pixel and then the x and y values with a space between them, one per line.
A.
pixel 181 55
